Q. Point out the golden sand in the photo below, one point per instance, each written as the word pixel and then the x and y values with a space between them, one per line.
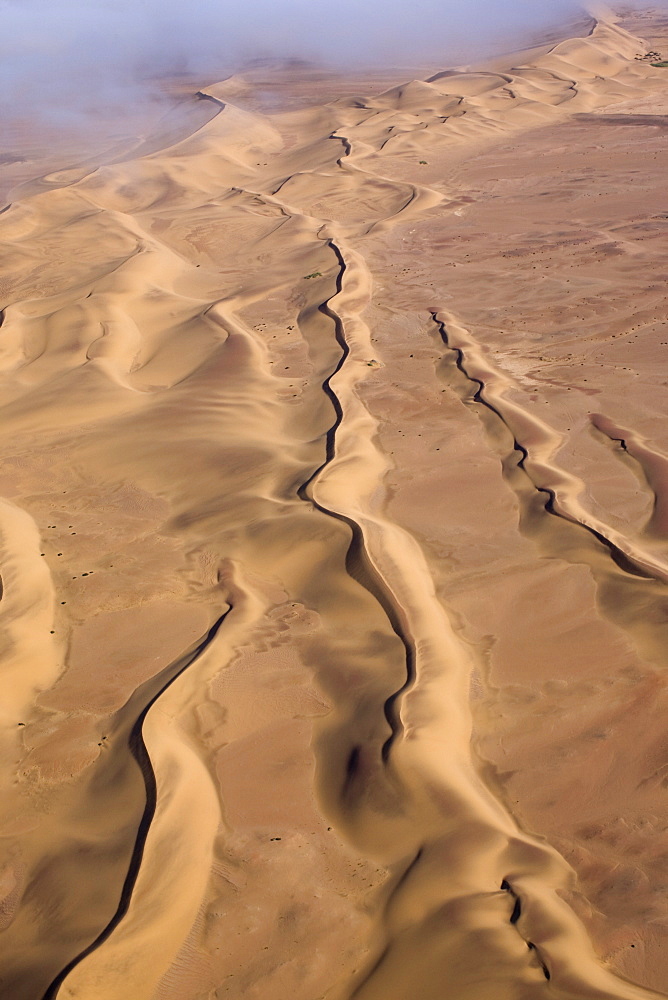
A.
pixel 333 543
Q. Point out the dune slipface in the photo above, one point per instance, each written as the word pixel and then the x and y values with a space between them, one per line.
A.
pixel 333 545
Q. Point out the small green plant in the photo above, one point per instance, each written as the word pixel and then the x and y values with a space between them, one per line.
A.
pixel 424 161
pixel 660 65
pixel 316 274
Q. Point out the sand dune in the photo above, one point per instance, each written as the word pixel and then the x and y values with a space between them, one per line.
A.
pixel 332 543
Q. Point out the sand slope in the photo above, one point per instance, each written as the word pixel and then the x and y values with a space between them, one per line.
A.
pixel 333 597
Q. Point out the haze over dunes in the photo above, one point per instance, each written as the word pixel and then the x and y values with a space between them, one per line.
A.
pixel 333 533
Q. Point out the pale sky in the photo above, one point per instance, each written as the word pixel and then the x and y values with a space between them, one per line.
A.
pixel 54 52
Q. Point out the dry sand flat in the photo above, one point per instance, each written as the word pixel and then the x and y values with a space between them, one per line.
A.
pixel 333 546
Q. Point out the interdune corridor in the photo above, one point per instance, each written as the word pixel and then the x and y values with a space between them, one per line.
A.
pixel 334 544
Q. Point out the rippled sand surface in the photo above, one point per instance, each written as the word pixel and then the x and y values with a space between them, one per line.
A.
pixel 334 542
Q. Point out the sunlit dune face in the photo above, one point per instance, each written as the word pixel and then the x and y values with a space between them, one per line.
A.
pixel 333 512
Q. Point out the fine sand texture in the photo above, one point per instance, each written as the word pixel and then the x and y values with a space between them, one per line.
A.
pixel 334 539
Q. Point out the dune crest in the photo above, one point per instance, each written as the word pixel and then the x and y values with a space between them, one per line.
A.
pixel 265 649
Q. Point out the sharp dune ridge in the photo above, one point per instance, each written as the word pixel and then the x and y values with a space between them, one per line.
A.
pixel 297 479
pixel 537 456
pixel 150 692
